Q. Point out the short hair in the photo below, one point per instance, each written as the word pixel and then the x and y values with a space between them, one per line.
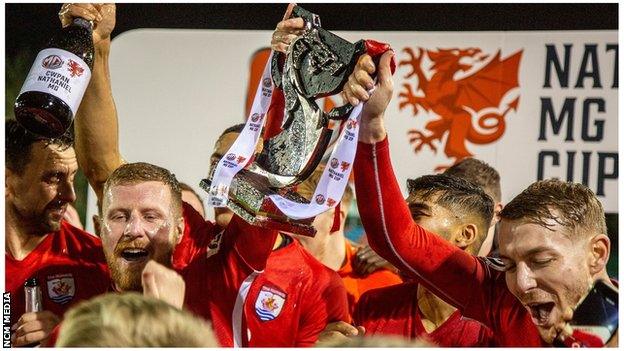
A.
pixel 132 320
pixel 238 128
pixel 480 173
pixel 457 195
pixel 18 144
pixel 139 172
pixel 186 187
pixel 572 205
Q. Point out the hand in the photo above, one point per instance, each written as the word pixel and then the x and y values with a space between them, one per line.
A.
pixel 102 15
pixel 339 332
pixel 367 261
pixel 286 31
pixel 372 129
pixel 163 283
pixel 34 327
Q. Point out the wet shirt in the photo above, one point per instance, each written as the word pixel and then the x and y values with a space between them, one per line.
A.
pixel 476 286
pixel 217 281
pixel 394 311
pixel 69 266
pixel 293 300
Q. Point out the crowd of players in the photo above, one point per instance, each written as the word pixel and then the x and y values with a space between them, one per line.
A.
pixel 448 266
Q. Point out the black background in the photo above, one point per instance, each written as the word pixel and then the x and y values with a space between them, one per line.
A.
pixel 28 26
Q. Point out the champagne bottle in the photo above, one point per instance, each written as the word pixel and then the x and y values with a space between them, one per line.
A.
pixel 34 303
pixel 32 291
pixel 53 89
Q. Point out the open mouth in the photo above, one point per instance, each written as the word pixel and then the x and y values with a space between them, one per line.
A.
pixel 134 254
pixel 540 312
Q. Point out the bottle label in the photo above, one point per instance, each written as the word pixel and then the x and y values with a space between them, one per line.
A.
pixel 60 73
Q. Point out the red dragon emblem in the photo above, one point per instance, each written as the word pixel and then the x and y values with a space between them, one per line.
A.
pixel 456 102
pixel 75 70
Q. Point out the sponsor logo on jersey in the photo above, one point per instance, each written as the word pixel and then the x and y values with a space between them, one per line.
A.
pixel 61 288
pixel 269 303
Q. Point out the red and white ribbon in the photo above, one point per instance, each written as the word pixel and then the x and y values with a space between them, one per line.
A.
pixel 333 181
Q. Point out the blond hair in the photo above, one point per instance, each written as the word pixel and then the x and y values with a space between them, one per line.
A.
pixel 132 320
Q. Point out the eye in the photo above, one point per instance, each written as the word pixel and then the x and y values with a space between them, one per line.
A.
pixel 542 262
pixel 151 216
pixel 53 178
pixel 119 216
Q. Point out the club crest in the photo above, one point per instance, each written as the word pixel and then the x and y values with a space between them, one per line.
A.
pixel 269 303
pixel 61 288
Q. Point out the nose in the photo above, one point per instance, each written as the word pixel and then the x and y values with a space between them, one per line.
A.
pixel 134 227
pixel 524 278
pixel 66 192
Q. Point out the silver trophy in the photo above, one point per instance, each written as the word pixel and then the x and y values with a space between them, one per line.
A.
pixel 317 64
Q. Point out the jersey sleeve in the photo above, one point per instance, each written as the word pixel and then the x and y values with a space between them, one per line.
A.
pixel 195 238
pixel 327 304
pixel 251 244
pixel 452 274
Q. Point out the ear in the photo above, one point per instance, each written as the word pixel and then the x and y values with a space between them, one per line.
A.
pixel 8 182
pixel 97 224
pixel 179 230
pixel 600 247
pixel 467 236
pixel 497 208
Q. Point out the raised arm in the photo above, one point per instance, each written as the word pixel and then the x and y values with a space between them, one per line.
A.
pixel 251 245
pixel 96 126
pixel 450 272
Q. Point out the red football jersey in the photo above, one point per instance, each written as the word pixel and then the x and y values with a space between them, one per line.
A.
pixel 476 286
pixel 356 284
pixel 194 243
pixel 293 300
pixel 394 310
pixel 217 282
pixel 69 266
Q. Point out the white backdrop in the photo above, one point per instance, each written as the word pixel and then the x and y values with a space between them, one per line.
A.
pixel 176 90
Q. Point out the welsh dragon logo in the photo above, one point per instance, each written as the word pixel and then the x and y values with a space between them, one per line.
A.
pixel 458 103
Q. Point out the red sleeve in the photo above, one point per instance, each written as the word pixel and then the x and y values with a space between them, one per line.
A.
pixel 452 274
pixel 326 305
pixel 252 244
pixel 195 239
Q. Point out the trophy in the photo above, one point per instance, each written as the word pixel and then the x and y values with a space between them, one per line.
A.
pixel 317 64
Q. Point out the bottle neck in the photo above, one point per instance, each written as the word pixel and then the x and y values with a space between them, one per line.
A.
pixel 81 22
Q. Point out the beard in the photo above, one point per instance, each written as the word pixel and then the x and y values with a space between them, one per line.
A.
pixel 126 275
pixel 570 297
pixel 40 222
